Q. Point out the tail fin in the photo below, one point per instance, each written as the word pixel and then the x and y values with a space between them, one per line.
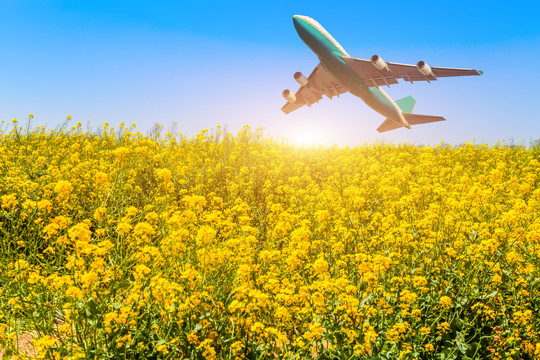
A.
pixel 406 104
pixel 412 119
pixel 415 119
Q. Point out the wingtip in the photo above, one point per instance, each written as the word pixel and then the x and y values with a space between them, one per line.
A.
pixel 480 72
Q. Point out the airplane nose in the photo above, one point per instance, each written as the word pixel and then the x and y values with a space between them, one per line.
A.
pixel 298 23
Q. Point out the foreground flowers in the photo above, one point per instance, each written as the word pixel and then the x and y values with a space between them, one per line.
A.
pixel 219 246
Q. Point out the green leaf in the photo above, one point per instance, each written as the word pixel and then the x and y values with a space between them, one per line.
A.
pixel 461 344
pixel 483 297
pixel 366 300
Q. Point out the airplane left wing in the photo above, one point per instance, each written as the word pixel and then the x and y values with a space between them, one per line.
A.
pixel 319 83
pixel 377 72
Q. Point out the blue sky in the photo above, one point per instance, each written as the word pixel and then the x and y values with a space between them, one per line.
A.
pixel 211 63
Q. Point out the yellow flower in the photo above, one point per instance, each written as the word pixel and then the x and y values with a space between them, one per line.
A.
pixel 205 235
pixel 446 302
pixel 124 228
pixel 443 328
pixel 257 327
pixel 320 266
pixel 163 175
pixel 63 187
pixel 74 292
pixel 407 297
pixel 193 338
pixel 162 349
pixel 314 332
pixel 44 204
pixel 419 281
pixel 80 232
pixel 398 331
pixel 143 230
pixel 13 301
pixel 44 343
pixel 9 201
pixel 101 178
pixel 132 211
pixel 100 211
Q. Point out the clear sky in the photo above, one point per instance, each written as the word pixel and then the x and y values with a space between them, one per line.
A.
pixel 204 63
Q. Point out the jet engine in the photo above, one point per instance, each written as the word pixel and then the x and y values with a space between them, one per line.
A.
pixel 289 96
pixel 379 63
pixel 424 68
pixel 300 78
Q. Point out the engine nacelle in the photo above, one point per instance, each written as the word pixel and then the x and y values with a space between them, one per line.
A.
pixel 289 96
pixel 300 78
pixel 379 63
pixel 424 68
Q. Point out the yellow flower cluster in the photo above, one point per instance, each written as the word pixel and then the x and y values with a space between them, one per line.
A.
pixel 220 246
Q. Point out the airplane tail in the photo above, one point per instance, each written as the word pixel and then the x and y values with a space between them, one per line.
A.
pixel 412 119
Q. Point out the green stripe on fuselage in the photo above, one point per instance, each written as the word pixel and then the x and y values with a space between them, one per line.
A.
pixel 315 39
pixel 377 93
pixel 331 58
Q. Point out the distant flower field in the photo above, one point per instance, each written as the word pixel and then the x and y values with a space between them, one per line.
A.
pixel 115 245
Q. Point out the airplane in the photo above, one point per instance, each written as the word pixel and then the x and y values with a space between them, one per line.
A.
pixel 338 73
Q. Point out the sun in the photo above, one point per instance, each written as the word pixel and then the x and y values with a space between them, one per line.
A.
pixel 307 138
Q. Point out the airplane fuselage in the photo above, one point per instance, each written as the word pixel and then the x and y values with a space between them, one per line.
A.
pixel 331 54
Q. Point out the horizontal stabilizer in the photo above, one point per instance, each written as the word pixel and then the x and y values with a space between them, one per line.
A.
pixel 412 119
pixel 415 119
pixel 388 125
pixel 406 104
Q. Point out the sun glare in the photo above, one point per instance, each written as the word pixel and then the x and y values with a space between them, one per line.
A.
pixel 307 138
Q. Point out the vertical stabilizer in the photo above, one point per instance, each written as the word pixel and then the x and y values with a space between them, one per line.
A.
pixel 406 104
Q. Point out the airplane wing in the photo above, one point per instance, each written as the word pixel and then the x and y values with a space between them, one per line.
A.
pixel 393 71
pixel 320 83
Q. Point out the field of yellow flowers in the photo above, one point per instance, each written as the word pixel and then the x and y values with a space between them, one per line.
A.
pixel 115 245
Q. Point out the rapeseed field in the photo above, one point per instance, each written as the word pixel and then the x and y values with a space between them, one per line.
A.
pixel 116 245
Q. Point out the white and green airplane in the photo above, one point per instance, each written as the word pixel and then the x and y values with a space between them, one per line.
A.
pixel 338 73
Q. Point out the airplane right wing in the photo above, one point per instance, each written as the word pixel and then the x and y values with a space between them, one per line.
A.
pixel 377 72
pixel 319 83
